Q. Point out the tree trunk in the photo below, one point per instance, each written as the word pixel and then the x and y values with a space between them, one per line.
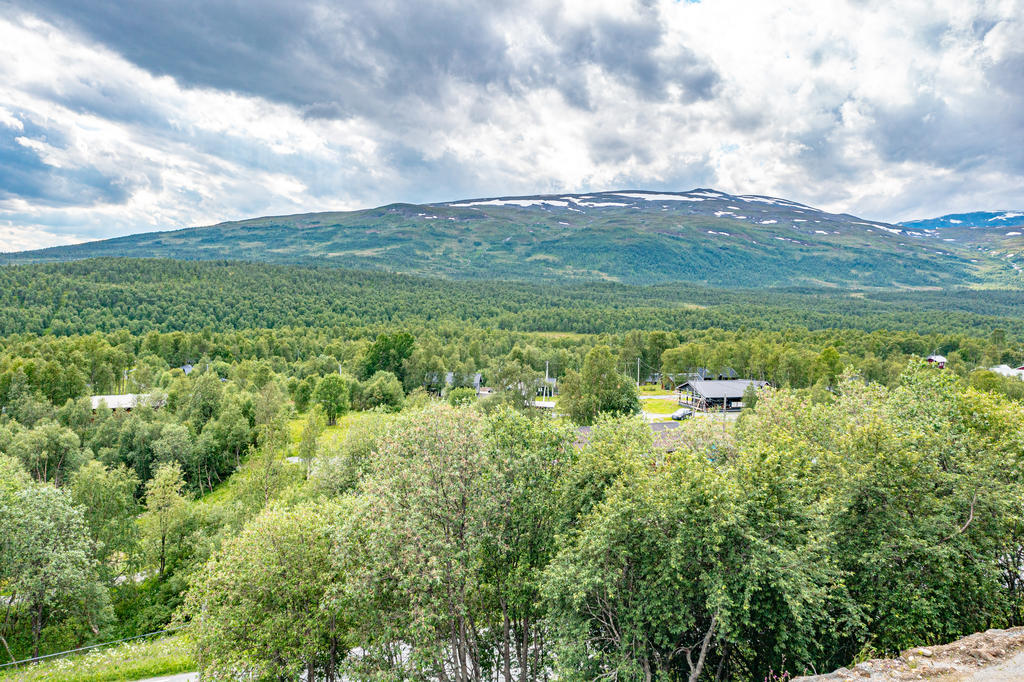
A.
pixel 332 657
pixel 37 628
pixel 695 669
pixel 506 644
pixel 525 672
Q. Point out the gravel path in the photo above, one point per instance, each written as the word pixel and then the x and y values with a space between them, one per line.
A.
pixel 1010 670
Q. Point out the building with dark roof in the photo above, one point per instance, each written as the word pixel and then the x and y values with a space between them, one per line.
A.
pixel 716 394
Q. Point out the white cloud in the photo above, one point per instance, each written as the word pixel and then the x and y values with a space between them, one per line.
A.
pixel 886 111
pixel 23 238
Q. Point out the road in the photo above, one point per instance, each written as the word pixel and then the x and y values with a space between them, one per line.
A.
pixel 183 677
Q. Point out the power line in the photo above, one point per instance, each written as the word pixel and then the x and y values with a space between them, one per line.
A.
pixel 87 648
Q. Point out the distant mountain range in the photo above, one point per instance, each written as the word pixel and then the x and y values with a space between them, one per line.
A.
pixel 978 219
pixel 635 236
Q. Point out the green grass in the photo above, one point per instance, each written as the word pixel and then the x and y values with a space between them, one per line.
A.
pixel 659 406
pixel 121 663
pixel 336 433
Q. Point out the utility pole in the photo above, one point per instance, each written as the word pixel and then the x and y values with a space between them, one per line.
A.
pixel 547 385
pixel 638 372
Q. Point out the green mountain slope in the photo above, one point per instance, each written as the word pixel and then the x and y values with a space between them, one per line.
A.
pixel 632 236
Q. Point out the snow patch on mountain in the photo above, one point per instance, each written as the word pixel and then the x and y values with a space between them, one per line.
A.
pixel 657 197
pixel 515 202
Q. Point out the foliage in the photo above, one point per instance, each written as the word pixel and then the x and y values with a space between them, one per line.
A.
pixel 382 390
pixel 332 394
pixel 164 523
pixel 47 567
pixel 104 295
pixel 107 498
pixel 901 483
pixel 388 354
pixel 311 430
pixel 258 606
pixel 600 388
pixel 341 466
pixel 48 451
pixel 456 526
pixel 461 397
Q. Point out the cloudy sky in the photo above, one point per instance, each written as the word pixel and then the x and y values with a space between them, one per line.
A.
pixel 154 114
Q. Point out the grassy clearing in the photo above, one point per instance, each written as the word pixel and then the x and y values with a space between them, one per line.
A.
pixel 659 406
pixel 121 663
pixel 336 434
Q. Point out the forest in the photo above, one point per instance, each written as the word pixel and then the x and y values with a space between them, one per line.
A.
pixel 309 482
pixel 141 295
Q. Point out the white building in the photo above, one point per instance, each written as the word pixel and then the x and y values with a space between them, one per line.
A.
pixel 127 401
pixel 1008 371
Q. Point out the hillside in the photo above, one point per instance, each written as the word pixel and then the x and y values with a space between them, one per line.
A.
pixel 994 236
pixel 636 237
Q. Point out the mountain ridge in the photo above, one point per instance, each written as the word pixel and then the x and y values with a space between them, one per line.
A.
pixel 634 236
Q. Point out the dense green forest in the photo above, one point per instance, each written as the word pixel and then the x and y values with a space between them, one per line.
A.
pixel 165 295
pixel 478 542
pixel 306 440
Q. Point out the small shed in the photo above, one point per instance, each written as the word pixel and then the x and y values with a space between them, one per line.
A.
pixel 937 360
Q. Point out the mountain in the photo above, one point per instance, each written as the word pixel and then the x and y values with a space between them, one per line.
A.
pixel 994 236
pixel 632 236
pixel 978 219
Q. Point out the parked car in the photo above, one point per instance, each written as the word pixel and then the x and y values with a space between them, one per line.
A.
pixel 682 413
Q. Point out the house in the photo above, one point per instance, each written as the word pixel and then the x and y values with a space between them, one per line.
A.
pixel 432 381
pixel 127 401
pixel 727 373
pixel 673 381
pixel 1008 371
pixel 716 394
pixel 937 360
pixel 449 380
pixel 187 368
